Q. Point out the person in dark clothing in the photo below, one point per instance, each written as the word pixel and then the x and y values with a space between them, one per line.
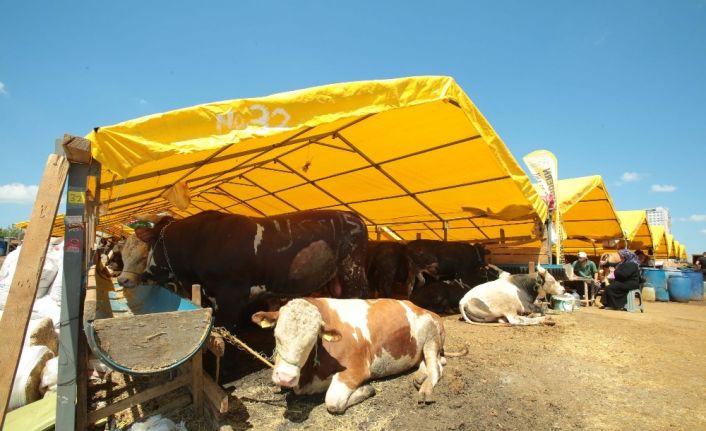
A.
pixel 642 258
pixel 701 264
pixel 627 278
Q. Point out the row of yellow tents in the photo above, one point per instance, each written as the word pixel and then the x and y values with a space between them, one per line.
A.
pixel 414 157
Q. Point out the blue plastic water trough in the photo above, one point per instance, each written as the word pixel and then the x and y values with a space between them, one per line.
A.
pixel 142 330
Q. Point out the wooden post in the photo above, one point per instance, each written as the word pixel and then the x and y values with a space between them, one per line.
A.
pixel 446 230
pixel 74 248
pixel 197 363
pixel 23 290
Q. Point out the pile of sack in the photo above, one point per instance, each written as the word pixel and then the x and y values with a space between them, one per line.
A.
pixel 38 367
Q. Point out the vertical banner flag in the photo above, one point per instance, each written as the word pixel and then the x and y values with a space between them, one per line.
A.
pixel 543 166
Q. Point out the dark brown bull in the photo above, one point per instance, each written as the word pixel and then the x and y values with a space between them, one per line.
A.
pixel 236 258
pixel 443 260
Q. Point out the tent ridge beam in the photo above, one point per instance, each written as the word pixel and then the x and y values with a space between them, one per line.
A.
pixel 324 191
pixel 389 177
pixel 271 193
pixel 240 202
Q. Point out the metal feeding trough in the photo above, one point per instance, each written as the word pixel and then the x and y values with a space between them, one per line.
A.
pixel 142 330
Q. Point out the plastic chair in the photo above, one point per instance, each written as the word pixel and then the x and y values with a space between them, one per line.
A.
pixel 632 306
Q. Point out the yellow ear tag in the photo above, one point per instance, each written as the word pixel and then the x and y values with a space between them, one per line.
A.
pixel 328 337
pixel 265 324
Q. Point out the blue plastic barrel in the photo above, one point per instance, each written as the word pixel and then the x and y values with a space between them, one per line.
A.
pixel 3 247
pixel 697 285
pixel 657 278
pixel 679 287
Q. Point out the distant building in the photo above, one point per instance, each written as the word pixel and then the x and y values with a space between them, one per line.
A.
pixel 660 217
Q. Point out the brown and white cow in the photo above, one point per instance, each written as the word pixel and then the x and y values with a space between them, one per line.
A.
pixel 509 299
pixel 337 345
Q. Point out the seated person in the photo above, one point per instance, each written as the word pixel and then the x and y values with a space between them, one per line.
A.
pixel 585 270
pixel 642 258
pixel 626 278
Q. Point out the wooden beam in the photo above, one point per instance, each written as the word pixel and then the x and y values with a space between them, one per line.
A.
pixel 23 290
pixel 78 150
pixel 215 395
pixel 197 363
pixel 138 398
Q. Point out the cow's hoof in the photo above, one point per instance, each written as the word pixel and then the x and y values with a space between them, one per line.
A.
pixel 335 410
pixel 548 322
pixel 424 399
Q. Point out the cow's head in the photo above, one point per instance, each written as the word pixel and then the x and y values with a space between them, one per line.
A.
pixel 548 284
pixel 134 254
pixel 135 251
pixel 298 327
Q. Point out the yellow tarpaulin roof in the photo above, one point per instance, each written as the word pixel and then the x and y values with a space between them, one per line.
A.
pixel 659 242
pixel 587 215
pixel 670 244
pixel 676 249
pixel 409 154
pixel 58 228
pixel 637 230
pixel 587 210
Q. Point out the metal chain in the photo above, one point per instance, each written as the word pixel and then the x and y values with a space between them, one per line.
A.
pixel 162 237
pixel 232 339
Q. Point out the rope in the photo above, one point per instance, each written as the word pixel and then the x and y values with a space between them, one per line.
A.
pixel 232 339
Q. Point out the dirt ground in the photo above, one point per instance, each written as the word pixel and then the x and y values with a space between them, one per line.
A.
pixel 596 369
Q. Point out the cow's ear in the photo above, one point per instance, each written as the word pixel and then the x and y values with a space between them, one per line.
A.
pixel 265 319
pixel 331 335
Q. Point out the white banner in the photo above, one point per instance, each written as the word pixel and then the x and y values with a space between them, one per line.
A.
pixel 543 166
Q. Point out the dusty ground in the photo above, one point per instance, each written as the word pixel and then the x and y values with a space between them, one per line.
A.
pixel 595 369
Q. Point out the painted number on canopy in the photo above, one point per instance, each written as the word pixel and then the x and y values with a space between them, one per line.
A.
pixel 262 117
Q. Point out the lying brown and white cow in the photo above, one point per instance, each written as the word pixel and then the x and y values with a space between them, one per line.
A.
pixel 509 299
pixel 337 345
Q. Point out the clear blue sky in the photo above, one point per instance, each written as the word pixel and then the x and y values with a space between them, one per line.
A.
pixel 615 88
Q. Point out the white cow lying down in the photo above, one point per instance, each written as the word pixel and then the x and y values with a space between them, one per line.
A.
pixel 509 299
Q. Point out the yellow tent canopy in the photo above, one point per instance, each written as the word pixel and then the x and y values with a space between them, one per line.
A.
pixel 676 249
pixel 683 254
pixel 587 215
pixel 636 229
pixel 58 228
pixel 411 156
pixel 659 242
pixel 587 209
pixel 670 245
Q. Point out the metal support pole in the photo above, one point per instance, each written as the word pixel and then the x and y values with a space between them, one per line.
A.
pixel 549 237
pixel 71 295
